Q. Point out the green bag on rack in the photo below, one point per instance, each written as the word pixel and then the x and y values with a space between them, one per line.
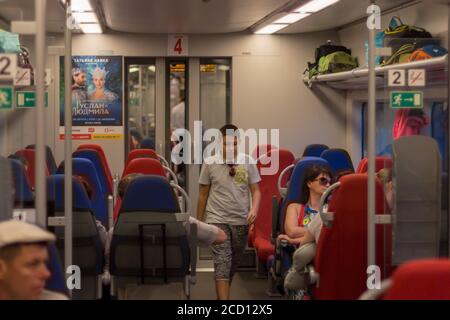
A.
pixel 337 62
pixel 311 71
pixel 400 56
pixel 9 42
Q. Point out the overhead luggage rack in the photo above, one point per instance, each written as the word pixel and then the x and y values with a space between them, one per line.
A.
pixel 357 79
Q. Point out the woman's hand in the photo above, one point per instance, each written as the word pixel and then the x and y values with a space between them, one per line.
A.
pixel 282 237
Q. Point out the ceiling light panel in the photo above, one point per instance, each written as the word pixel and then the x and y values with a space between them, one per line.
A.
pixel 315 5
pixel 292 18
pixel 271 28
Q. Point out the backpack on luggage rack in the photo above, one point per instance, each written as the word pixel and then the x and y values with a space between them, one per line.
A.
pixel 404 40
pixel 330 59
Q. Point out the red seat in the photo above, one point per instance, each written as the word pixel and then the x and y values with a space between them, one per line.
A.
pixel 145 166
pixel 103 158
pixel 260 238
pixel 380 163
pixel 341 253
pixel 30 156
pixel 262 149
pixel 427 279
pixel 140 153
pixel 140 165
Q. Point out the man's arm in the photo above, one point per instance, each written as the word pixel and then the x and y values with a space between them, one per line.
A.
pixel 203 193
pixel 256 199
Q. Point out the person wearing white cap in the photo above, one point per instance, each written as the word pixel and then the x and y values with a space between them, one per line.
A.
pixel 23 262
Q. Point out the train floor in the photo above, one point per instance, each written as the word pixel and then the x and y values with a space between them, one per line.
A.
pixel 245 287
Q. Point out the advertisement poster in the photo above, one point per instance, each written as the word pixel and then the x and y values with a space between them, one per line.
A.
pixel 97 97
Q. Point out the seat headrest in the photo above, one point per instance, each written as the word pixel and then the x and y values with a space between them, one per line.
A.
pixel 29 154
pixel 50 159
pixel 85 153
pixel 380 163
pixel 21 183
pixel 314 150
pixel 149 193
pixel 85 168
pixel 277 159
pixel 91 146
pixel 425 279
pixel 141 153
pixel 145 166
pixel 97 148
pixel 55 193
pixel 352 194
pixel 338 159
pixel 297 176
pixel 92 155
pixel 262 149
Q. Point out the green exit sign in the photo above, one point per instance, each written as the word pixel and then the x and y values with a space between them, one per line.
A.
pixel 406 99
pixel 6 97
pixel 27 99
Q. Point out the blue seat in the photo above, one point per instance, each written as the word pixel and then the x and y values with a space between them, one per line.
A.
pixel 98 164
pixel 293 195
pixel 162 199
pixel 55 193
pixel 88 251
pixel 339 160
pixel 314 150
pixel 57 281
pixel 294 191
pixel 99 199
pixel 50 159
pixel 22 185
pixel 148 242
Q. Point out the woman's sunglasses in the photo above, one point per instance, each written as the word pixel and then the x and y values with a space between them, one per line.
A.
pixel 323 181
pixel 232 170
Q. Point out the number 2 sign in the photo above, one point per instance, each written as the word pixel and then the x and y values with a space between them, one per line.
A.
pixel 8 65
pixel 177 45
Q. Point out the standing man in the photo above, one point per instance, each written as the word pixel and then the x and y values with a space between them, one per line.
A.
pixel 23 262
pixel 226 181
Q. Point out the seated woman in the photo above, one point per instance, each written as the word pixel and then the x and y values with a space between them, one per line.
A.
pixel 298 215
pixel 303 225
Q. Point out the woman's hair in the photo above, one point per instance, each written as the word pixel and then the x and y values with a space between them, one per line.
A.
pixel 125 182
pixel 311 173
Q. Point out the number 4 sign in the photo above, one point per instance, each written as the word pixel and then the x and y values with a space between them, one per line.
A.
pixel 177 45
